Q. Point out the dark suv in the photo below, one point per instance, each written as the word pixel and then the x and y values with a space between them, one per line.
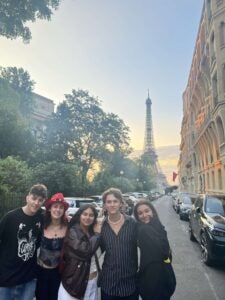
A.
pixel 207 226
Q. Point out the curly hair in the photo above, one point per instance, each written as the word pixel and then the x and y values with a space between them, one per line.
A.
pixel 115 192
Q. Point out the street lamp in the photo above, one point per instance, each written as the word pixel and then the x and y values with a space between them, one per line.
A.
pixel 137 179
pixel 121 181
pixel 83 159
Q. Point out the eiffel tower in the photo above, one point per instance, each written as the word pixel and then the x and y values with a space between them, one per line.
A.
pixel 149 147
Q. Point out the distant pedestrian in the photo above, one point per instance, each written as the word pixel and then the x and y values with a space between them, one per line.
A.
pixel 79 276
pixel 156 276
pixel 55 226
pixel 119 242
pixel 20 231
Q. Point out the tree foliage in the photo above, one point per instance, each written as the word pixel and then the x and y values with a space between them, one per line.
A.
pixel 15 14
pixel 14 175
pixel 81 131
pixel 15 136
pixel 20 81
pixel 59 177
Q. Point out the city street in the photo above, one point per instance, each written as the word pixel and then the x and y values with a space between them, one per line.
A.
pixel 195 281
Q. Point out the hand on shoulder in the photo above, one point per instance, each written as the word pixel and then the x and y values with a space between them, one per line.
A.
pixel 98 226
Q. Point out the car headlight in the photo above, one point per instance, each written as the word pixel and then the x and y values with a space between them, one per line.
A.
pixel 216 231
pixel 185 209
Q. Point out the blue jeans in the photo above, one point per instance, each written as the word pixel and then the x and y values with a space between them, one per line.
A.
pixel 25 291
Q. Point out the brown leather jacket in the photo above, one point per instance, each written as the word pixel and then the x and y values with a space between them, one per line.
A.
pixel 78 250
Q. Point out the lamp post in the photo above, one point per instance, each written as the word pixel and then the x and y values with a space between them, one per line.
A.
pixel 121 181
pixel 83 159
pixel 144 182
pixel 137 179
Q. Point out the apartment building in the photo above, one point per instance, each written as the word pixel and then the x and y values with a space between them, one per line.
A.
pixel 43 109
pixel 202 149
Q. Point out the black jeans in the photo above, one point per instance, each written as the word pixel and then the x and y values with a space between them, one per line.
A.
pixel 108 297
pixel 48 281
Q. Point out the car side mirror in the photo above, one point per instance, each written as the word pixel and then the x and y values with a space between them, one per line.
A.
pixel 198 210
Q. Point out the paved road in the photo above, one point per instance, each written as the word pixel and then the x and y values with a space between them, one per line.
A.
pixel 195 281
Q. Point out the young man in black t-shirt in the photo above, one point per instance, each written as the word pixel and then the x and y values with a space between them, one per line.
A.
pixel 20 232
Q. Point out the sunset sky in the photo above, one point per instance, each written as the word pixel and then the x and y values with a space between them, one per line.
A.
pixel 116 49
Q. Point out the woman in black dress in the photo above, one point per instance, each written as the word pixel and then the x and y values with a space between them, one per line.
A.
pixel 156 276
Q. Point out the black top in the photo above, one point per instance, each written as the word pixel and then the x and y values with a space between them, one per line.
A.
pixel 153 243
pixel 19 239
pixel 118 276
pixel 50 251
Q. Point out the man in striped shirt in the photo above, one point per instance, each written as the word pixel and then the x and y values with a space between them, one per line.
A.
pixel 119 242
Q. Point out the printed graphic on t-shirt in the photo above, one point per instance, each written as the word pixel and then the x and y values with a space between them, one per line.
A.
pixel 27 241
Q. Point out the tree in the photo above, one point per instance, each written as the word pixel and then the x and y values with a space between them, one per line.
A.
pixel 14 175
pixel 15 15
pixel 15 136
pixel 14 183
pixel 59 177
pixel 146 174
pixel 81 131
pixel 20 81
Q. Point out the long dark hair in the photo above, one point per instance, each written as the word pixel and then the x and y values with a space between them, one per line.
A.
pixel 76 217
pixel 149 204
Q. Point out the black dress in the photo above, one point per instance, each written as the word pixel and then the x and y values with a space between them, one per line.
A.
pixel 154 248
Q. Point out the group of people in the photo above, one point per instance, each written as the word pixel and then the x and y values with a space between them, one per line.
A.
pixel 45 255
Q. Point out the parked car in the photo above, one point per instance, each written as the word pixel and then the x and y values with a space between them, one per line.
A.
pixel 98 199
pixel 178 200
pixel 185 205
pixel 130 201
pixel 207 226
pixel 76 202
pixel 139 195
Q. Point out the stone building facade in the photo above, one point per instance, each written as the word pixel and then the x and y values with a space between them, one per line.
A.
pixel 43 109
pixel 202 149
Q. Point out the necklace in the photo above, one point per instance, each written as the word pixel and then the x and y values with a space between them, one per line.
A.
pixel 56 230
pixel 117 222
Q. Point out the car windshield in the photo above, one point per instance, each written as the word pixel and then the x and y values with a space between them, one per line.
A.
pixel 186 200
pixel 81 203
pixel 215 205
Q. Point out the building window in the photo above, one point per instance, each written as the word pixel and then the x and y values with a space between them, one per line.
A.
pixel 215 89
pixel 208 182
pixel 194 158
pixel 220 130
pixel 212 44
pixel 209 11
pixel 222 33
pixel 223 77
pixel 219 2
pixel 220 179
pixel 213 180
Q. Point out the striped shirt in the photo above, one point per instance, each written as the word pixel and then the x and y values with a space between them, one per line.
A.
pixel 119 269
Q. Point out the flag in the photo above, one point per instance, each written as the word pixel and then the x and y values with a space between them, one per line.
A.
pixel 174 176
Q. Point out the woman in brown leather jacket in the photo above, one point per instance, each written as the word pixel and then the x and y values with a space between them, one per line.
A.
pixel 79 276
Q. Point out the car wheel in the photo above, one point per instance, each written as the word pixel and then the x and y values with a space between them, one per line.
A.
pixel 191 235
pixel 205 256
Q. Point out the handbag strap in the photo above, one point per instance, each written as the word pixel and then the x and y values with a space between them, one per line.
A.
pixel 97 263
